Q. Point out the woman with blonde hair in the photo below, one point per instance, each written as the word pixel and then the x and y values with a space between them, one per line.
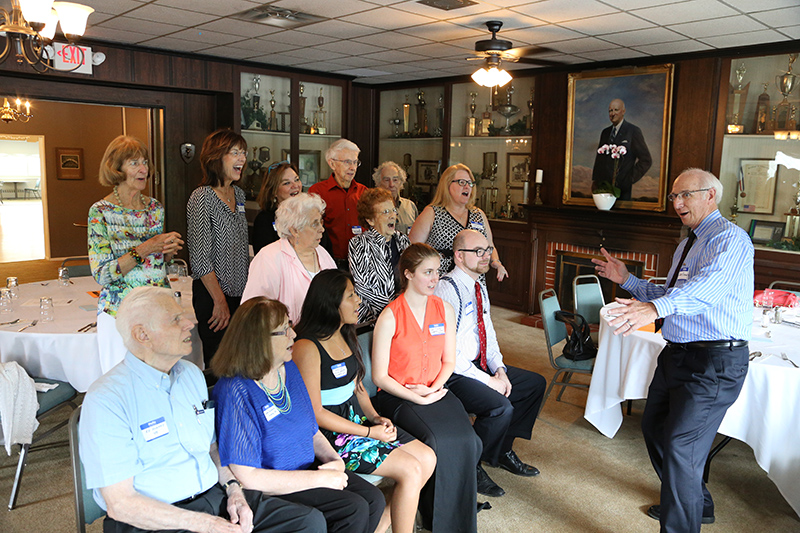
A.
pixel 451 211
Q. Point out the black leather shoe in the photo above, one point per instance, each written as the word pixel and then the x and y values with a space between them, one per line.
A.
pixel 513 464
pixel 654 512
pixel 486 486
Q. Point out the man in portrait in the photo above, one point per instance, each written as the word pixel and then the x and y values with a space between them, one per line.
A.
pixel 632 166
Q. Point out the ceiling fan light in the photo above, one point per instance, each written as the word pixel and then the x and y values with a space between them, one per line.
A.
pixel 35 10
pixel 73 17
pixel 499 76
pixel 49 30
pixel 479 77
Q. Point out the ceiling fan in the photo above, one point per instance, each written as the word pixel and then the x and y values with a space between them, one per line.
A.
pixel 494 51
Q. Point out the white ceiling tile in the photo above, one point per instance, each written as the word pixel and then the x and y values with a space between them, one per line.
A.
pixel 168 43
pixel 438 50
pixel 298 38
pixel 384 2
pixel 151 28
pixel 260 46
pixel 435 64
pixel 749 6
pixel 276 59
pixel 399 68
pixel 577 46
pixel 98 18
pixel 211 38
pixel 339 29
pixel 351 48
pixel 360 62
pixel 715 27
pixel 391 39
pixel 114 7
pixel 238 27
pixel 443 31
pixel 627 5
pixel 685 12
pixel 387 19
pixel 559 10
pixel 324 66
pixel 362 72
pixel 643 37
pixel 169 15
pixel 675 47
pixel 223 9
pixel 611 55
pixel 779 18
pixel 541 34
pixel 742 39
pixel 229 52
pixel 792 32
pixel 613 23
pixel 395 56
pixel 508 3
pixel 330 9
pixel 117 36
pixel 413 6
pixel 314 54
pixel 511 21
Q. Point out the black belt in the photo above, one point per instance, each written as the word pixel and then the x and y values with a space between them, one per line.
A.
pixel 707 344
pixel 193 498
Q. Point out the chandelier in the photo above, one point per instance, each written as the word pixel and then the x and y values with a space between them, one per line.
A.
pixel 8 113
pixel 491 74
pixel 31 25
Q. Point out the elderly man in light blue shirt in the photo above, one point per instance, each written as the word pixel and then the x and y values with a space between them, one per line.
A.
pixel 504 399
pixel 147 437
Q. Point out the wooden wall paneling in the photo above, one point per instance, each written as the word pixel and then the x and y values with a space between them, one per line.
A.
pixel 151 69
pixel 775 265
pixel 363 130
pixel 118 66
pixel 551 141
pixel 723 88
pixel 222 77
pixel 513 243
pixel 187 73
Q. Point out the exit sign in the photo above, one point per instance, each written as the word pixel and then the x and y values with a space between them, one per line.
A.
pixel 68 56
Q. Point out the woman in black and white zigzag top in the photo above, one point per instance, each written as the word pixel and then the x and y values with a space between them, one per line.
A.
pixel 217 237
pixel 373 255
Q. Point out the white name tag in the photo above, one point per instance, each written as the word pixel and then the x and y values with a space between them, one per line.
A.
pixel 436 329
pixel 270 412
pixel 356 230
pixel 274 227
pixel 339 370
pixel 469 308
pixel 154 429
pixel 684 273
pixel 476 226
pixel 240 208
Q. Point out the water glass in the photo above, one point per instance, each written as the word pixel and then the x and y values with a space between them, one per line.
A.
pixel 63 276
pixel 173 272
pixel 5 301
pixel 46 309
pixel 12 283
pixel 769 298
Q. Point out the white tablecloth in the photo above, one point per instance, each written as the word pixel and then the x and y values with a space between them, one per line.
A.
pixel 766 415
pixel 56 350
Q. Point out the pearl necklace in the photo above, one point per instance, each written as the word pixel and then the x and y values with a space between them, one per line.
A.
pixel 119 200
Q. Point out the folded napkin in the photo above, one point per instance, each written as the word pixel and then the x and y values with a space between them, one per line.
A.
pixel 44 387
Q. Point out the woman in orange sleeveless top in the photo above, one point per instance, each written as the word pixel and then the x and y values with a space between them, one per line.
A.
pixel 413 355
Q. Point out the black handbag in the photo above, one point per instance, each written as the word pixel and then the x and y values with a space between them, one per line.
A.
pixel 579 346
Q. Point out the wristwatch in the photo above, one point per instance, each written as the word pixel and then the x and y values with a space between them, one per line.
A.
pixel 230 482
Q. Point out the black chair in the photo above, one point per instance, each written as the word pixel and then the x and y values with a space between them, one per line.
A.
pixel 86 509
pixel 80 270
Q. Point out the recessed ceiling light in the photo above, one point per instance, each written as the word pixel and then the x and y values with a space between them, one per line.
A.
pixel 447 5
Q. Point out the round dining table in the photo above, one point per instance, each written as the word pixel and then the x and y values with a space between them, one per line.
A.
pixel 66 348
pixel 766 415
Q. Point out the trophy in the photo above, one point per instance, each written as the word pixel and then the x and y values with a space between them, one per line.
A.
pixel 785 83
pixel 396 122
pixel 406 115
pixel 422 115
pixel 490 193
pixel 256 96
pixel 437 131
pixel 304 127
pixel 762 112
pixel 738 101
pixel 272 125
pixel 319 115
pixel 486 121
pixel 508 109
pixel 471 120
pixel 530 111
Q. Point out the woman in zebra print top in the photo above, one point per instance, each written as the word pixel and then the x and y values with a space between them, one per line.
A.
pixel 374 254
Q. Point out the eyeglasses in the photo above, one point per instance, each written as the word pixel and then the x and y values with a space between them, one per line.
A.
pixel 480 252
pixel 387 211
pixel 348 162
pixel 462 183
pixel 282 332
pixel 236 152
pixel 684 195
pixel 273 166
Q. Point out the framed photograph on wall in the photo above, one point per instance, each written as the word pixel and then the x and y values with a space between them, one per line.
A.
pixel 626 108
pixel 765 231
pixel 427 172
pixel 308 165
pixel 69 163
pixel 758 179
pixel 518 166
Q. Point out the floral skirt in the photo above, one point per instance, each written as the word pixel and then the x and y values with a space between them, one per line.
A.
pixel 360 454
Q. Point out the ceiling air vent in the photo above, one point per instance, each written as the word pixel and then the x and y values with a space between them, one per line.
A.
pixel 447 5
pixel 278 17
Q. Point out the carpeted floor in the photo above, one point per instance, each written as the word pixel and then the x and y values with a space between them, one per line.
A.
pixel 588 483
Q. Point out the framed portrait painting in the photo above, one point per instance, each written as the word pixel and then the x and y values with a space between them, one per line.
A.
pixel 427 172
pixel 308 165
pixel 618 133
pixel 69 163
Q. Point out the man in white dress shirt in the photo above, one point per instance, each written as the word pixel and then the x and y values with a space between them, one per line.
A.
pixel 504 399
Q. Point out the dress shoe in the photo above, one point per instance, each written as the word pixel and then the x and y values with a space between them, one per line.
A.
pixel 486 486
pixel 513 464
pixel 655 512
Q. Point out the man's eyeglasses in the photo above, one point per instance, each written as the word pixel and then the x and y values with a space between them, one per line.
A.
pixel 348 162
pixel 273 166
pixel 387 211
pixel 462 183
pixel 684 195
pixel 236 152
pixel 480 252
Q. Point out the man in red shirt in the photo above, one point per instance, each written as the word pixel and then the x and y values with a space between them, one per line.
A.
pixel 341 195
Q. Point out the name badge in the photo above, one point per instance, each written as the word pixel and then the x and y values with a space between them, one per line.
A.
pixel 240 208
pixel 683 274
pixel 357 230
pixel 154 429
pixel 469 308
pixel 478 226
pixel 339 370
pixel 270 412
pixel 274 227
pixel 436 329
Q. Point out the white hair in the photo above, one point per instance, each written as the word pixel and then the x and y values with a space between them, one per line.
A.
pixel 338 146
pixel 707 181
pixel 376 176
pixel 138 309
pixel 293 213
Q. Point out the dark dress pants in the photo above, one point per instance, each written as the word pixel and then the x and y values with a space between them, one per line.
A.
pixel 203 308
pixel 269 514
pixel 499 419
pixel 687 400
pixel 356 509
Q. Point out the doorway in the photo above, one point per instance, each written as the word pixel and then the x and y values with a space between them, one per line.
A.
pixel 22 235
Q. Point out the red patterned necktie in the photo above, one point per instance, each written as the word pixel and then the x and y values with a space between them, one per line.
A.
pixel 481 326
pixel 659 322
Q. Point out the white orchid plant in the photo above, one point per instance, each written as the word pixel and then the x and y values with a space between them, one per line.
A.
pixel 616 152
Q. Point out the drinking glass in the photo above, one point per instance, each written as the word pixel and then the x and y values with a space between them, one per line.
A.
pixel 12 283
pixel 173 272
pixel 5 301
pixel 769 298
pixel 63 276
pixel 46 309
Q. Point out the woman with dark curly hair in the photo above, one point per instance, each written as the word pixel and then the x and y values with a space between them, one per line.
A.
pixel 280 183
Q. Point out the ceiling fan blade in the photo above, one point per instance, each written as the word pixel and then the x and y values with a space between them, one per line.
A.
pixel 540 62
pixel 524 51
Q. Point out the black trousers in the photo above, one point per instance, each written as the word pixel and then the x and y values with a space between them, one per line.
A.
pixel 499 419
pixel 203 308
pixel 269 514
pixel 357 508
pixel 687 400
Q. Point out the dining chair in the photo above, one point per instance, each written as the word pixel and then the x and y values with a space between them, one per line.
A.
pixel 658 280
pixel 554 333
pixel 793 284
pixel 49 401
pixel 587 298
pixel 35 191
pixel 79 270
pixel 86 508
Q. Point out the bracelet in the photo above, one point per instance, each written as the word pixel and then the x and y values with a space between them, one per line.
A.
pixel 133 253
pixel 230 482
pixel 368 430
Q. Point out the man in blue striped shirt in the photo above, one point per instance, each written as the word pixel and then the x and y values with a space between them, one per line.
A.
pixel 706 309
